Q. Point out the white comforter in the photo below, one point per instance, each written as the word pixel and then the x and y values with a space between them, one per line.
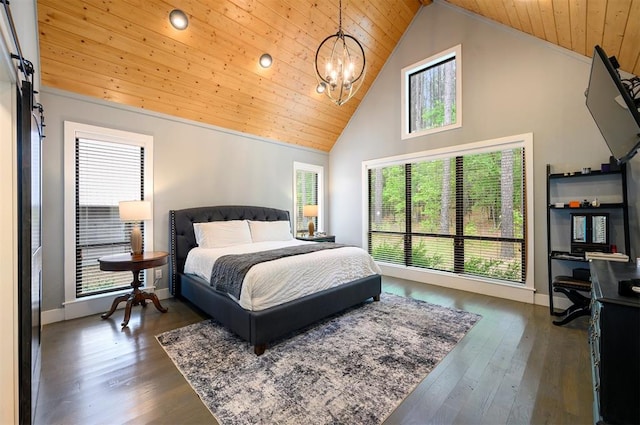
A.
pixel 275 282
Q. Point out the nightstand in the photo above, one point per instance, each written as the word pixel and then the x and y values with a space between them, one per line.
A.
pixel 324 238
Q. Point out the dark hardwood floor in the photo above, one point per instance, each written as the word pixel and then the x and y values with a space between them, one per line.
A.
pixel 513 367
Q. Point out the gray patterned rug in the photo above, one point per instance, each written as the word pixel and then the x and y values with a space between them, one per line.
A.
pixel 354 368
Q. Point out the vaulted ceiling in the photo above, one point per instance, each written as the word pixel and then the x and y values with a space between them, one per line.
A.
pixel 126 51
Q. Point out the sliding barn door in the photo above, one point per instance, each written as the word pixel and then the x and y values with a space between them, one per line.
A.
pixel 29 251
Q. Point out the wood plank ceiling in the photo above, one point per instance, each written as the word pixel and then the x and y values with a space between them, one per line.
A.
pixel 125 51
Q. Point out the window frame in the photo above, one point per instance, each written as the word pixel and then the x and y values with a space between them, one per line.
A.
pixel 434 60
pixel 91 304
pixel 319 170
pixel 459 281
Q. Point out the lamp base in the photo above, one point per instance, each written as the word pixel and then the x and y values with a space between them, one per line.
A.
pixel 136 241
pixel 311 228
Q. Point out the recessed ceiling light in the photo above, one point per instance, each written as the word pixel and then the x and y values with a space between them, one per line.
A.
pixel 178 19
pixel 266 60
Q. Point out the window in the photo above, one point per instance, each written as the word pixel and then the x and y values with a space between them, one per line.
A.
pixel 308 190
pixel 102 168
pixel 462 212
pixel 432 94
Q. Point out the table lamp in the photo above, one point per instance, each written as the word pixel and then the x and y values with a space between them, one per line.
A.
pixel 135 212
pixel 310 211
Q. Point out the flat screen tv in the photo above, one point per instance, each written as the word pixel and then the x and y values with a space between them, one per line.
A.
pixel 613 107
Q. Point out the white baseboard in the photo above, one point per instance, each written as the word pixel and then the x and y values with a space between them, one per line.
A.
pixel 90 307
pixel 463 283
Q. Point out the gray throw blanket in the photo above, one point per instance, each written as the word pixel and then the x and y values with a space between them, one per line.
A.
pixel 229 270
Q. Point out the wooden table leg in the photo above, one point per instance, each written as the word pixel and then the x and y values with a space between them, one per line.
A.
pixel 156 302
pixel 117 301
pixel 127 312
pixel 134 298
pixel 139 297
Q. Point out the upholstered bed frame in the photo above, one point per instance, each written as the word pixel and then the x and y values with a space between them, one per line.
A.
pixel 256 327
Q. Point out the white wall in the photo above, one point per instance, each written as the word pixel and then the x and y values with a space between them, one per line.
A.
pixel 511 84
pixel 194 165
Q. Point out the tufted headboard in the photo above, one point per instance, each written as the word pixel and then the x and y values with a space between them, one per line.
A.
pixel 182 238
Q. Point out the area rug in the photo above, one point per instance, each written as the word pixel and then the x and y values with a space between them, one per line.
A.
pixel 354 368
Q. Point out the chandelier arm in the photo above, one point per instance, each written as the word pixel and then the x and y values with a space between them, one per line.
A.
pixel 364 60
pixel 318 53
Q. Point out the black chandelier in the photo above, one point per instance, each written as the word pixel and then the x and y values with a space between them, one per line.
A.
pixel 340 65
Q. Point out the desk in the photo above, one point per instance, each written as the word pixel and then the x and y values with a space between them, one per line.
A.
pixel 134 264
pixel 614 339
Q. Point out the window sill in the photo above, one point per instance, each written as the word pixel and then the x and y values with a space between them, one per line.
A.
pixel 494 288
pixel 95 304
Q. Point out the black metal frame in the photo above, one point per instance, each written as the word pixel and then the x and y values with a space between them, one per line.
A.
pixel 553 255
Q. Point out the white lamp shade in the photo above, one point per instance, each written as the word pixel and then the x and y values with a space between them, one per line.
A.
pixel 134 210
pixel 310 210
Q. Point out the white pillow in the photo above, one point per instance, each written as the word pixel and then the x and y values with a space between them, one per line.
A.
pixel 262 231
pixel 218 234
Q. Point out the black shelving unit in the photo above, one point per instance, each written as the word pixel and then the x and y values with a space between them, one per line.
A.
pixel 561 252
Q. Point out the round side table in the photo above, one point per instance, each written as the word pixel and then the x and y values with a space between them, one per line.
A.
pixel 134 264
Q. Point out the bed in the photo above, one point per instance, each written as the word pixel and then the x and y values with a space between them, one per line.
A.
pixel 258 327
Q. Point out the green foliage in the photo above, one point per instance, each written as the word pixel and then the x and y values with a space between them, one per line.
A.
pixel 421 258
pixel 434 117
pixel 388 252
pixel 493 268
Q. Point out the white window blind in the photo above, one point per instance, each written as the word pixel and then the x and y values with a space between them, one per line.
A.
pixel 308 190
pixel 307 194
pixel 461 214
pixel 106 173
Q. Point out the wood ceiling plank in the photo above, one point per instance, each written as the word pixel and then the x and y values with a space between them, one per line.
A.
pixel 630 47
pixel 514 19
pixel 501 12
pixel 216 113
pixel 487 9
pixel 325 23
pixel 183 85
pixel 376 53
pixel 535 17
pixel 563 22
pixel 219 37
pixel 578 18
pixel 548 21
pixel 206 68
pixel 596 13
pixel 523 15
pixel 225 82
pixel 614 26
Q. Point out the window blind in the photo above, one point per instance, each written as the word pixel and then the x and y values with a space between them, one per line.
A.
pixel 462 214
pixel 106 173
pixel 306 194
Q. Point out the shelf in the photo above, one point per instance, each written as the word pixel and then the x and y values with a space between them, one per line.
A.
pixel 579 174
pixel 566 256
pixel 602 206
pixel 561 188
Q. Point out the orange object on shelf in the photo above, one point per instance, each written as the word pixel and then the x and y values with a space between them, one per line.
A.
pixel 574 204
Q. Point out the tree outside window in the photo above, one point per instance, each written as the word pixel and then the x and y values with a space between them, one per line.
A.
pixel 432 94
